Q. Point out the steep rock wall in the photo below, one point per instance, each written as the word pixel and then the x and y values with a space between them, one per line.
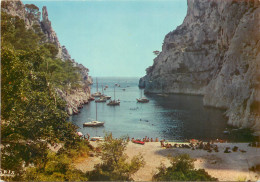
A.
pixel 215 53
pixel 76 98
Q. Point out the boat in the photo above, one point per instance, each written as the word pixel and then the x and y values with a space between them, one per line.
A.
pixel 94 123
pixel 138 142
pixel 91 99
pixel 96 139
pixel 142 99
pixel 103 96
pixel 114 102
pixel 107 97
pixel 97 94
pixel 101 99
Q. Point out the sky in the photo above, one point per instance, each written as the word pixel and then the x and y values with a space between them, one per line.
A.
pixel 114 37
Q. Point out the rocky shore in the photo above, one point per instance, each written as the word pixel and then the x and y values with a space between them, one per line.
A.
pixel 74 98
pixel 215 52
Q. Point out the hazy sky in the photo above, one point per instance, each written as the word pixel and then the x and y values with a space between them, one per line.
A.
pixel 114 37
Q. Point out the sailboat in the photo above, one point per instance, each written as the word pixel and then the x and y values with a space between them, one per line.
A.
pixel 102 98
pixel 105 96
pixel 97 94
pixel 114 102
pixel 94 123
pixel 142 99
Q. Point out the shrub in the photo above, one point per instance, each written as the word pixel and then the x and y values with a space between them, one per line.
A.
pixel 182 169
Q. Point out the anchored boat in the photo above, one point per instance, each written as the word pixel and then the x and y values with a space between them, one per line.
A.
pixel 114 102
pixel 94 123
pixel 142 99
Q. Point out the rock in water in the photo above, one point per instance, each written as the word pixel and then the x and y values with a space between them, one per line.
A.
pixel 215 52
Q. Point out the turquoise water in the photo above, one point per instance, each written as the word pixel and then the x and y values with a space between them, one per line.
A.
pixel 175 117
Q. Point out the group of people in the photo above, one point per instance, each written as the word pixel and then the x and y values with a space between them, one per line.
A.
pixel 146 139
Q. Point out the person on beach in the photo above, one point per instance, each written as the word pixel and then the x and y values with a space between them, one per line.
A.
pixel 156 140
pixel 151 139
pixel 162 143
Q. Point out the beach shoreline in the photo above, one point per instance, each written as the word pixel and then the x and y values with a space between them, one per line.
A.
pixel 232 166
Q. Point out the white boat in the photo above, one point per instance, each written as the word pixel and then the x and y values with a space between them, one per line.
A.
pixel 103 96
pixel 94 123
pixel 97 94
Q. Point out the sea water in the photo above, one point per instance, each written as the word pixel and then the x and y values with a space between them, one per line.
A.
pixel 173 117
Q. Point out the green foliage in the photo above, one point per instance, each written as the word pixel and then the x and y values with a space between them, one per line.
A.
pixel 57 168
pixel 182 169
pixel 114 166
pixel 32 11
pixel 32 113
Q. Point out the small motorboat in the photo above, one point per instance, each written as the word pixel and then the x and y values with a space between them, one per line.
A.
pixel 143 100
pixel 138 142
pixel 93 123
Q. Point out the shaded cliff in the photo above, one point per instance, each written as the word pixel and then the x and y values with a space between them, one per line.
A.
pixel 215 53
pixel 39 22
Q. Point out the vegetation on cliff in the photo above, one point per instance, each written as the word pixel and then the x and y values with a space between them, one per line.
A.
pixel 33 116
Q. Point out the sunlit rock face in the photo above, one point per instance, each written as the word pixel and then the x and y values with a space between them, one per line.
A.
pixel 75 98
pixel 215 52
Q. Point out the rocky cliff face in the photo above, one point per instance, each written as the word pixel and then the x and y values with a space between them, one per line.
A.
pixel 76 98
pixel 215 53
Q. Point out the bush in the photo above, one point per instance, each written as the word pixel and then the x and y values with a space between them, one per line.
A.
pixel 182 169
pixel 114 166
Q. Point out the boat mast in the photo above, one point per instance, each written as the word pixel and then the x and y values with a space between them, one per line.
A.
pixel 114 92
pixel 102 90
pixel 96 111
pixel 97 85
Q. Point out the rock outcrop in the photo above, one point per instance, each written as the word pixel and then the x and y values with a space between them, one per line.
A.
pixel 33 18
pixel 215 53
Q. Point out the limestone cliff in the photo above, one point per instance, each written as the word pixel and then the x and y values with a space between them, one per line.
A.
pixel 215 53
pixel 34 18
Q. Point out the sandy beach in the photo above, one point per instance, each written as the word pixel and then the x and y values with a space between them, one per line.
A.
pixel 224 166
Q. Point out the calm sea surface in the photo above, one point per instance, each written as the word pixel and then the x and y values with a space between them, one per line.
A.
pixel 175 117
